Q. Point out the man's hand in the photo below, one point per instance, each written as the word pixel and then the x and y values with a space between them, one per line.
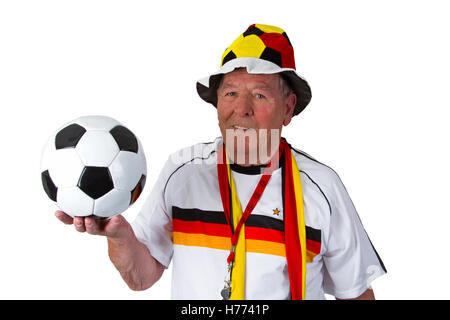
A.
pixel 115 228
pixel 130 257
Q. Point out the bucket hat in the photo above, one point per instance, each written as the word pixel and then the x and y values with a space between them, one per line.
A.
pixel 261 49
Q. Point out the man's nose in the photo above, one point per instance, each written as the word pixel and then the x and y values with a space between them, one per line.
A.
pixel 243 106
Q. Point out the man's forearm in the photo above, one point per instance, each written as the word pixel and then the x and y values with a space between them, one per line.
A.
pixel 134 262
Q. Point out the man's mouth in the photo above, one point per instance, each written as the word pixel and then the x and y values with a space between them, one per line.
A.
pixel 240 128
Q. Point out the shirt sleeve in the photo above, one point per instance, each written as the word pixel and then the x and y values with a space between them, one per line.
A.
pixel 153 225
pixel 351 262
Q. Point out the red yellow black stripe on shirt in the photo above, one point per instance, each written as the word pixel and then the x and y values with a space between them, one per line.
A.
pixel 209 229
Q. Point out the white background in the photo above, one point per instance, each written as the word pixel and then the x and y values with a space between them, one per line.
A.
pixel 379 73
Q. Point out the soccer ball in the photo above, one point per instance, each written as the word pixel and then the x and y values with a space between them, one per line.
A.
pixel 93 166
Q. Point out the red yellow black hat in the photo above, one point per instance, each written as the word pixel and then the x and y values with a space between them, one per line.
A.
pixel 262 49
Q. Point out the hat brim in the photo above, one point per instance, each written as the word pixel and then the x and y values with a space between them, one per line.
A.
pixel 207 87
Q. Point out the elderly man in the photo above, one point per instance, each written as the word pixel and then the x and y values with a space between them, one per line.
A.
pixel 246 216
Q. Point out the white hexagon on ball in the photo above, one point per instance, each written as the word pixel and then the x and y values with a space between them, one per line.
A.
pixel 97 148
pixel 142 158
pixel 126 170
pixel 75 202
pixel 65 167
pixel 97 122
pixel 114 202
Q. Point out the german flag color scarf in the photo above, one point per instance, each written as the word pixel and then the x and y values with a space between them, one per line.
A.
pixel 294 230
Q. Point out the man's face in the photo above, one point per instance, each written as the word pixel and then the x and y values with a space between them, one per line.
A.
pixel 251 110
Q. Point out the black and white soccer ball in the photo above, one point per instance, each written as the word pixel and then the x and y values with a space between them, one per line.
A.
pixel 93 166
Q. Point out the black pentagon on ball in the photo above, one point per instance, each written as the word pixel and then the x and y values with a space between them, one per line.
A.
pixel 96 181
pixel 125 139
pixel 49 186
pixel 69 136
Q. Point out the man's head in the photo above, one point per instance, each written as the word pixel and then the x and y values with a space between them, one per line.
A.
pixel 252 109
pixel 258 67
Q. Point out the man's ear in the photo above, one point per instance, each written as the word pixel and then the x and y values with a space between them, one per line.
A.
pixel 290 102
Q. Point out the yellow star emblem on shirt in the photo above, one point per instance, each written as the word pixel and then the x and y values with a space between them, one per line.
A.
pixel 276 211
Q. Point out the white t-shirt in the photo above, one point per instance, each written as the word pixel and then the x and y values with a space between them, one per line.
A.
pixel 183 221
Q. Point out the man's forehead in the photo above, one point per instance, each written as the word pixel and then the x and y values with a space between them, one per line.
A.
pixel 265 80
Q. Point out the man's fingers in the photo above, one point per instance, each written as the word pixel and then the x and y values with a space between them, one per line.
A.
pixel 114 227
pixel 66 219
pixel 78 222
pixel 93 226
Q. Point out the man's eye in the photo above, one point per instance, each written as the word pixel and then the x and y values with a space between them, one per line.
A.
pixel 259 96
pixel 230 94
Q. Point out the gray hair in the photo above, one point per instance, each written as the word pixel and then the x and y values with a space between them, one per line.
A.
pixel 285 87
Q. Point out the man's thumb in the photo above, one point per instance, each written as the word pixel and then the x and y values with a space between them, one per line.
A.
pixel 118 227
